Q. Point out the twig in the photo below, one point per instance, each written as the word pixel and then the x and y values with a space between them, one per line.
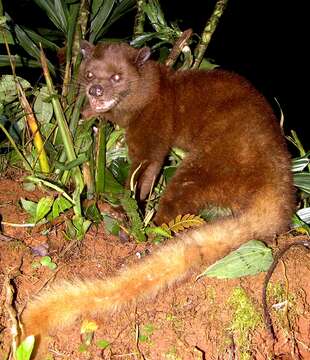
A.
pixel 7 238
pixel 278 256
pixel 17 225
pixel 178 47
pixel 8 304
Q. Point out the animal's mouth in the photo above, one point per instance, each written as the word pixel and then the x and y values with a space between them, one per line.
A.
pixel 101 105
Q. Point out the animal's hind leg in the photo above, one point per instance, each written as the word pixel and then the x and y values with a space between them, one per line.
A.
pixel 187 192
pixel 197 185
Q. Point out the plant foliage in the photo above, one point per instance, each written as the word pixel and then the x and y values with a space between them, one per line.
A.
pixel 250 259
pixel 182 222
pixel 42 127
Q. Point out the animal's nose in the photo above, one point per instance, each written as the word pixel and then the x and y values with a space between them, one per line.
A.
pixel 96 90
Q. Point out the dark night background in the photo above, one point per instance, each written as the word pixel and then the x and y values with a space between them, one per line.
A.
pixel 261 39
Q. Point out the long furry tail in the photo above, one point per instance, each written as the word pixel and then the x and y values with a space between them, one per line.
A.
pixel 63 303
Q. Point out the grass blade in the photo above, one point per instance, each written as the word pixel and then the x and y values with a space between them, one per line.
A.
pixel 100 17
pixel 63 128
pixel 50 8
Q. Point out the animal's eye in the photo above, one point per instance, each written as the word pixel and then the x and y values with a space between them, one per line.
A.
pixel 89 75
pixel 115 78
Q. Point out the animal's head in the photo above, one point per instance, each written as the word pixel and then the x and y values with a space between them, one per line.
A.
pixel 111 75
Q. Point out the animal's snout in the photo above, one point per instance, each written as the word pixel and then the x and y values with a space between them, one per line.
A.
pixel 96 90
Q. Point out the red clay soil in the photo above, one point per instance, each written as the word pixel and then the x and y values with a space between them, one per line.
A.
pixel 194 320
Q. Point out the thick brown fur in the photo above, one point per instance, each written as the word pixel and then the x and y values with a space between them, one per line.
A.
pixel 236 158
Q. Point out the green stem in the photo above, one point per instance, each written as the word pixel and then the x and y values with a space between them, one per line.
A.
pixel 75 117
pixel 64 131
pixel 46 183
pixel 101 158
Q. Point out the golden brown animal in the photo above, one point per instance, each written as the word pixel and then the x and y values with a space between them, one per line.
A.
pixel 236 158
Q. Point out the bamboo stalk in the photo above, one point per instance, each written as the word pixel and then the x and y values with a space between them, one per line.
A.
pixel 208 32
pixel 138 28
pixel 33 126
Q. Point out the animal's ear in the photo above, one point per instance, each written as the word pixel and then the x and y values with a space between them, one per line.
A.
pixel 86 49
pixel 142 56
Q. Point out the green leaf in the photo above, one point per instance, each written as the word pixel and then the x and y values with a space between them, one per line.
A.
pixel 143 38
pixel 169 172
pixel 158 230
pixel 182 222
pixel 111 225
pixel 120 169
pixel 92 213
pixel 54 9
pixel 299 164
pixel 102 344
pixel 299 225
pixel 62 14
pixel 43 208
pixel 72 164
pixel 42 107
pixel 37 39
pixel 18 61
pixel 131 207
pixel 83 348
pixel 30 46
pixel 35 265
pixel 81 226
pixel 111 185
pixel 207 64
pixel 24 350
pixel 302 181
pixel 52 266
pixel 72 18
pixel 8 90
pixel 101 12
pixel 60 205
pixel 8 36
pixel 304 214
pixel 45 260
pixel 250 259
pixel 114 137
pixel 122 8
pixel 146 332
pixel 29 206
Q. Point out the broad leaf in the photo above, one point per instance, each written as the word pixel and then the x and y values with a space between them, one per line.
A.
pixel 250 259
pixel 8 90
pixel 304 214
pixel 302 181
pixel 43 208
pixel 60 205
pixel 29 206
pixel 299 164
pixel 42 107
